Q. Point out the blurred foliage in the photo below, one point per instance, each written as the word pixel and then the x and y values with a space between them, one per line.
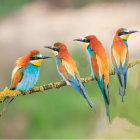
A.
pixel 82 3
pixel 7 6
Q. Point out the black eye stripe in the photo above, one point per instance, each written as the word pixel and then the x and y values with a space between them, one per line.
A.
pixel 86 40
pixel 56 49
pixel 34 58
pixel 123 33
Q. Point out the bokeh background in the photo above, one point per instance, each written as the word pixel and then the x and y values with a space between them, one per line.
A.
pixel 62 113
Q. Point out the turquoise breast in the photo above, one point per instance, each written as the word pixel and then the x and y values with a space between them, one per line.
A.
pixel 90 54
pixel 29 79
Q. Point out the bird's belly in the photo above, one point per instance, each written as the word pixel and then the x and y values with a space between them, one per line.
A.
pixel 29 79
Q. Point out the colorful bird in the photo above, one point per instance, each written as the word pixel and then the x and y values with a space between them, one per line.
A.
pixel 26 73
pixel 120 57
pixel 99 63
pixel 67 69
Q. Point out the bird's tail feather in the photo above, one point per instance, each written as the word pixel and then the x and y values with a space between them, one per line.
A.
pixel 107 111
pixel 89 102
pixel 104 89
pixel 82 91
pixel 105 92
pixel 86 97
pixel 122 86
pixel 121 91
pixel 107 101
pixel 7 100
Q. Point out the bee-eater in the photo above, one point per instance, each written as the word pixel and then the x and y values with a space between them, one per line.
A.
pixel 26 73
pixel 99 63
pixel 120 57
pixel 67 68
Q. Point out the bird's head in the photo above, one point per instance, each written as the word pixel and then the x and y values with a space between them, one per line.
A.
pixel 58 48
pixel 86 40
pixel 124 33
pixel 34 57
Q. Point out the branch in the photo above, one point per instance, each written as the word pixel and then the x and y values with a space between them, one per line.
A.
pixel 12 93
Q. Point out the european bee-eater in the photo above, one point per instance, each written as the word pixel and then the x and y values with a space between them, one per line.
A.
pixel 26 73
pixel 67 68
pixel 120 57
pixel 99 63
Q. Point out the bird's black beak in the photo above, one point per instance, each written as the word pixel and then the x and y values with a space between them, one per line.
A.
pixel 45 57
pixel 79 39
pixel 49 47
pixel 130 32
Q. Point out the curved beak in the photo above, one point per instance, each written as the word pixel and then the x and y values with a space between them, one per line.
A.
pixel 78 39
pixel 49 47
pixel 130 32
pixel 45 57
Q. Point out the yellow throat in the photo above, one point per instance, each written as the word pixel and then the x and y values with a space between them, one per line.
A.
pixel 85 44
pixel 125 37
pixel 37 62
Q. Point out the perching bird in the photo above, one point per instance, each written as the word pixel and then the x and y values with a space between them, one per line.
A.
pixel 120 57
pixel 26 73
pixel 99 63
pixel 67 69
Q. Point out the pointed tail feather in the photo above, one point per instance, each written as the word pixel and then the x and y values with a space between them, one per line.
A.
pixel 107 101
pixel 121 91
pixel 7 100
pixel 89 102
pixel 122 84
pixel 104 89
pixel 107 111
pixel 80 88
pixel 105 92
pixel 86 97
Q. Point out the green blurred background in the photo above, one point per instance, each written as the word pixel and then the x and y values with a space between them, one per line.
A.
pixel 62 113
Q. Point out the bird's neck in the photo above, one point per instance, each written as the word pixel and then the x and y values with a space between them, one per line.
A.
pixel 57 59
pixel 125 42
pixel 64 55
pixel 89 50
pixel 119 41
pixel 30 65
pixel 66 58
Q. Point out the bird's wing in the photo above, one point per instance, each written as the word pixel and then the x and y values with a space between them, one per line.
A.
pixel 116 56
pixel 120 60
pixel 94 65
pixel 62 71
pixel 68 70
pixel 70 73
pixel 103 68
pixel 17 75
pixel 124 55
pixel 112 56
pixel 119 57
pixel 103 76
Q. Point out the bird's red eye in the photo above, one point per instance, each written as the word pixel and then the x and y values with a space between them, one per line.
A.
pixel 35 57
